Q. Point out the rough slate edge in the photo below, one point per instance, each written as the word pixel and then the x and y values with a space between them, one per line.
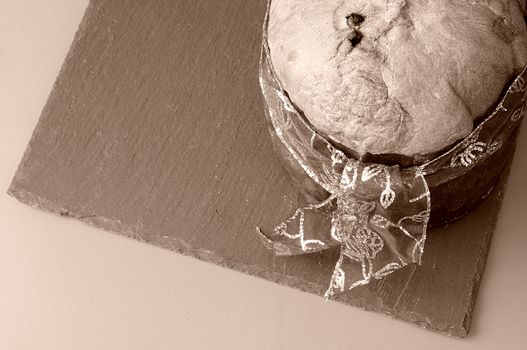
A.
pixel 364 302
pixel 362 297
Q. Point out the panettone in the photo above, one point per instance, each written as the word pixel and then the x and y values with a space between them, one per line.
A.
pixel 392 76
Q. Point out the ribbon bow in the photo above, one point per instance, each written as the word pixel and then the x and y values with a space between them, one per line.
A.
pixel 377 215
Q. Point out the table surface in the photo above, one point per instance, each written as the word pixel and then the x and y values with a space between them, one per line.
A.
pixel 67 285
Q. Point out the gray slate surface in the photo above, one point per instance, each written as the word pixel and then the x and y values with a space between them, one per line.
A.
pixel 155 130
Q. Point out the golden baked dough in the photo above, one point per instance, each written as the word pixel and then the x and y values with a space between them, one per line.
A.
pixel 393 76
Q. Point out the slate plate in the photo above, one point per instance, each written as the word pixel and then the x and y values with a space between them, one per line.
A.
pixel 155 130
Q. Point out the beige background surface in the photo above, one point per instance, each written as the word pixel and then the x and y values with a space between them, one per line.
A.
pixel 65 285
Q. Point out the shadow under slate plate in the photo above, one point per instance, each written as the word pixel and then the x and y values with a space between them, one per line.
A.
pixel 155 130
